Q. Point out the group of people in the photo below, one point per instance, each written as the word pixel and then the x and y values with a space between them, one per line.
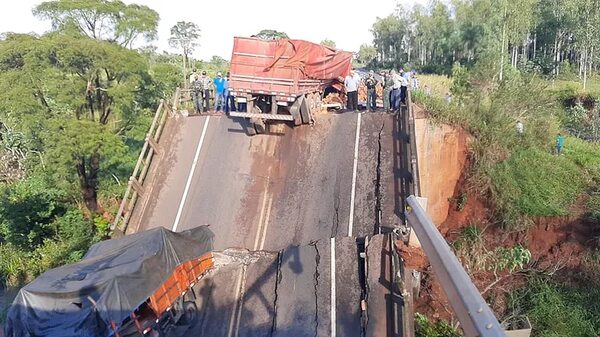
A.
pixel 395 89
pixel 560 140
pixel 202 86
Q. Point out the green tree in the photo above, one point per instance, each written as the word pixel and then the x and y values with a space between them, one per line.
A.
pixel 109 20
pixel 329 43
pixel 184 36
pixel 271 34
pixel 388 35
pixel 367 55
pixel 65 80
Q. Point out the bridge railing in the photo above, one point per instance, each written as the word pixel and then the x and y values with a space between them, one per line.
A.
pixel 135 186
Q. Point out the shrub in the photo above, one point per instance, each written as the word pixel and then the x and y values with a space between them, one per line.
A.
pixel 27 211
pixel 441 328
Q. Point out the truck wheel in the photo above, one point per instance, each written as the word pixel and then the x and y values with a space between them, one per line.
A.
pixel 250 130
pixel 261 128
pixel 190 313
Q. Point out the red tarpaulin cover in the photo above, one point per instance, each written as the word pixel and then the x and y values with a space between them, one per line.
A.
pixel 314 60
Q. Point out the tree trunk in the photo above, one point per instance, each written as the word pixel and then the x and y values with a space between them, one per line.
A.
pixel 185 80
pixel 88 182
pixel 534 45
pixel 555 71
pixel 503 43
pixel 585 67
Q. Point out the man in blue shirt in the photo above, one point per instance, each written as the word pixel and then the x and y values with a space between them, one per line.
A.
pixel 219 83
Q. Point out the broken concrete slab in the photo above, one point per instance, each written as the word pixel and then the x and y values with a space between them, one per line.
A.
pixel 379 308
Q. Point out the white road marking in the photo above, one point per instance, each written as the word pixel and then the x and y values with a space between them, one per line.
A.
pixel 241 301
pixel 238 288
pixel 333 299
pixel 353 192
pixel 266 224
pixel 260 221
pixel 190 176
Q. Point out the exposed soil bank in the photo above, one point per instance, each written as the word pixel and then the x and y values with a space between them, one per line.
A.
pixel 442 154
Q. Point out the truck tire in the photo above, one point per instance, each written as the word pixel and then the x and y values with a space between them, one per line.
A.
pixel 249 126
pixel 261 128
pixel 305 112
pixel 190 313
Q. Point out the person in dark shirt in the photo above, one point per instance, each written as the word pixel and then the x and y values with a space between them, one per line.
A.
pixel 370 83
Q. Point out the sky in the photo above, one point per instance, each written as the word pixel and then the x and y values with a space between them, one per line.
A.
pixel 347 23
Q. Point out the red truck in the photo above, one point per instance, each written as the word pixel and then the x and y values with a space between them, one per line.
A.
pixel 283 80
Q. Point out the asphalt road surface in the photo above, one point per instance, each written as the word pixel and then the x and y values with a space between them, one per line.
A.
pixel 303 194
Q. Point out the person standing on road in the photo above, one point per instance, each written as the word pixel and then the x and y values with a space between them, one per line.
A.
pixel 351 85
pixel 197 89
pixel 403 89
pixel 387 91
pixel 396 85
pixel 193 77
pixel 229 99
pixel 219 83
pixel 560 142
pixel 206 84
pixel 370 83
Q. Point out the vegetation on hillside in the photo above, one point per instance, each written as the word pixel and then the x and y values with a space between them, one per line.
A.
pixel 75 106
pixel 530 61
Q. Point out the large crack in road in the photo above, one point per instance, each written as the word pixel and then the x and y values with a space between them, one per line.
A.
pixel 316 283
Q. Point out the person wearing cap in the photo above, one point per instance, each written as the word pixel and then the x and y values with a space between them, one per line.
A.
pixel 206 84
pixel 370 83
pixel 197 89
pixel 387 90
pixel 219 83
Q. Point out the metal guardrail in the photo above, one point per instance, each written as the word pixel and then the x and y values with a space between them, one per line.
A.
pixel 135 186
pixel 475 316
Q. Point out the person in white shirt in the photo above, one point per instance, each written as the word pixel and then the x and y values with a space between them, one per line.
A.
pixel 351 84
pixel 396 85
pixel 403 89
pixel 520 128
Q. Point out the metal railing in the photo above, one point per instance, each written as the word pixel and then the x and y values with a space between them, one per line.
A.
pixel 135 186
pixel 475 316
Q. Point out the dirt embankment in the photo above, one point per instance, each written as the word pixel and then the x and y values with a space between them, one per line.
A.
pixel 557 244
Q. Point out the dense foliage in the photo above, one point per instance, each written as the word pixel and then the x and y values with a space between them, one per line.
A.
pixel 75 107
pixel 551 36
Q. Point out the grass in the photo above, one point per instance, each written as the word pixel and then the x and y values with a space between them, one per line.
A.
pixel 559 310
pixel 439 84
pixel 535 183
pixel 575 87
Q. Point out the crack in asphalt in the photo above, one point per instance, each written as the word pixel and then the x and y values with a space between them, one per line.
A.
pixel 377 227
pixel 316 283
pixel 277 282
pixel 336 217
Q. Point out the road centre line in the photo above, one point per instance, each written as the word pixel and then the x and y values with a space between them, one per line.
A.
pixel 260 221
pixel 266 224
pixel 190 176
pixel 353 191
pixel 238 291
pixel 333 298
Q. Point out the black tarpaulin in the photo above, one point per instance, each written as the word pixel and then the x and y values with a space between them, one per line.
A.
pixel 118 275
